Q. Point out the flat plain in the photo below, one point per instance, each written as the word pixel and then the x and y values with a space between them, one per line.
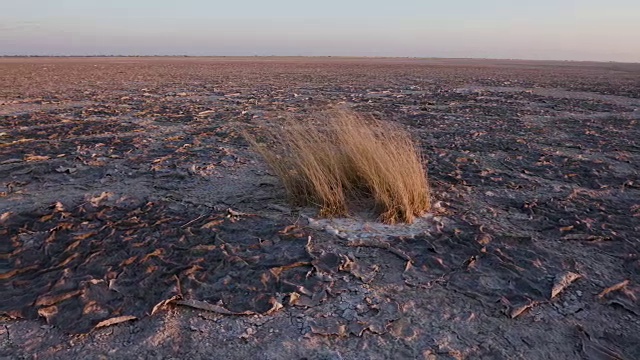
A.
pixel 136 221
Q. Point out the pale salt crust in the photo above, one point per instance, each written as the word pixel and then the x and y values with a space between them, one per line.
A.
pixel 354 228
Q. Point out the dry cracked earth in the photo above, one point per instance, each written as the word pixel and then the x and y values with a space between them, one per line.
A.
pixel 136 222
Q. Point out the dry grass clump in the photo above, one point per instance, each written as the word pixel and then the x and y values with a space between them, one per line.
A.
pixel 347 157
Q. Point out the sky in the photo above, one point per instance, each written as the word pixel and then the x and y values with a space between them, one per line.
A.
pixel 598 30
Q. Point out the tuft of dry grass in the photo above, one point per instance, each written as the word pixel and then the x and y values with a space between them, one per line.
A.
pixel 347 157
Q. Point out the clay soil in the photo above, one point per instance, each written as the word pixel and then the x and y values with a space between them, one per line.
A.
pixel 136 222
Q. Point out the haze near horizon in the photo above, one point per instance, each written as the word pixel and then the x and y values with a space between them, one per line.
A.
pixel 549 30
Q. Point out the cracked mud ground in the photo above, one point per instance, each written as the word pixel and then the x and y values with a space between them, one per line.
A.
pixel 136 223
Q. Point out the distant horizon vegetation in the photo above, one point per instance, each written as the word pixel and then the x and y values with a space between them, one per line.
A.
pixel 317 56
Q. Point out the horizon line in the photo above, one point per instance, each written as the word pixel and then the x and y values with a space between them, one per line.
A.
pixel 312 56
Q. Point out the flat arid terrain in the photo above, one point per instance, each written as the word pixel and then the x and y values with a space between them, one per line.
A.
pixel 136 222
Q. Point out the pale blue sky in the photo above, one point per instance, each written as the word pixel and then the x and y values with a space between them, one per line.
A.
pixel 540 29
